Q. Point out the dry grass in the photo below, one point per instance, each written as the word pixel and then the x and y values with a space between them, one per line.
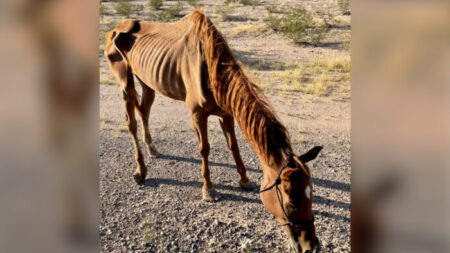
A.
pixel 342 21
pixel 224 12
pixel 156 4
pixel 262 82
pixel 329 77
pixel 246 245
pixel 293 79
pixel 346 38
pixel 250 29
pixel 105 123
pixel 106 82
pixel 342 64
pixel 344 6
pixel 122 128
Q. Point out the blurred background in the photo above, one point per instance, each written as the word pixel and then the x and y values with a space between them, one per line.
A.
pixel 400 126
pixel 49 125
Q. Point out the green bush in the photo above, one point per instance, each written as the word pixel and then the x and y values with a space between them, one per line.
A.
pixel 224 12
pixel 299 25
pixel 272 9
pixel 249 2
pixel 344 6
pixel 124 7
pixel 170 13
pixel 194 3
pixel 102 9
pixel 155 4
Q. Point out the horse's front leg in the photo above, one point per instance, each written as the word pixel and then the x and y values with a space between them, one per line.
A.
pixel 227 124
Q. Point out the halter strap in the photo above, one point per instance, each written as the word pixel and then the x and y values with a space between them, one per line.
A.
pixel 278 179
pixel 275 184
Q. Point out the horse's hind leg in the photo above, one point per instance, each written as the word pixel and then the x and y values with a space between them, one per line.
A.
pixel 129 96
pixel 144 107
pixel 227 124
pixel 200 120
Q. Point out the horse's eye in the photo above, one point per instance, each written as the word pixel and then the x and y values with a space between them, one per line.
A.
pixel 291 205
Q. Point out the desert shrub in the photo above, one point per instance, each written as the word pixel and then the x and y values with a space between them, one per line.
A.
pixel 344 6
pixel 102 9
pixel 299 25
pixel 155 4
pixel 249 2
pixel 327 18
pixel 124 7
pixel 273 9
pixel 224 12
pixel 273 22
pixel 138 8
pixel 346 41
pixel 170 13
pixel 193 3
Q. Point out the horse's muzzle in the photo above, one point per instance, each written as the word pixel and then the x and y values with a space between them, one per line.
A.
pixel 297 247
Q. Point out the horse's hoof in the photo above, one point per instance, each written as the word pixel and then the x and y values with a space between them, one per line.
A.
pixel 139 178
pixel 152 151
pixel 247 186
pixel 210 195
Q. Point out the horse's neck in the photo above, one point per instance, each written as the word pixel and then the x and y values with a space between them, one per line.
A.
pixel 269 174
pixel 272 160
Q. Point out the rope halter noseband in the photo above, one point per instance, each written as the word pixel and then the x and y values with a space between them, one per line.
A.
pixel 301 224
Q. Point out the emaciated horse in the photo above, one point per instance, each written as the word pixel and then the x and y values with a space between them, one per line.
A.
pixel 189 60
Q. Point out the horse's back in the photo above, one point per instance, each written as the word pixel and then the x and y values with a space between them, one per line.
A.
pixel 167 58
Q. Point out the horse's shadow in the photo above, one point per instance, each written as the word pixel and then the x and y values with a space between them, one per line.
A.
pixel 316 181
pixel 197 161
pixel 156 182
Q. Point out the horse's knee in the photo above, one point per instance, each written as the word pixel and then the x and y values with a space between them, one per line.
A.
pixel 132 125
pixel 204 150
pixel 232 145
pixel 129 94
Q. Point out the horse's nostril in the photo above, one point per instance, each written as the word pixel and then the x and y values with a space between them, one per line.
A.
pixel 308 251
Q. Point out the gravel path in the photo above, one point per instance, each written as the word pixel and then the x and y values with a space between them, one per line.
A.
pixel 166 214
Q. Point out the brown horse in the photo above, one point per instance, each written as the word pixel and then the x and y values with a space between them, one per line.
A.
pixel 190 61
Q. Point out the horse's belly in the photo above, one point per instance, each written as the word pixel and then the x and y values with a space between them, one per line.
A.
pixel 163 77
pixel 174 90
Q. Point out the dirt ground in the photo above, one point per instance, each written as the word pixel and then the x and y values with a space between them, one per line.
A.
pixel 166 213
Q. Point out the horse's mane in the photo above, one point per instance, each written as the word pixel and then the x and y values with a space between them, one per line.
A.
pixel 237 95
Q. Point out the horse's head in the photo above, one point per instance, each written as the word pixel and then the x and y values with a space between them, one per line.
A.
pixel 289 198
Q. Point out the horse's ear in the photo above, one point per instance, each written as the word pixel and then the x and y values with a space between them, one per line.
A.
pixel 310 155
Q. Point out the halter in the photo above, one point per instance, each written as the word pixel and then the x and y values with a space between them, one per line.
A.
pixel 302 224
